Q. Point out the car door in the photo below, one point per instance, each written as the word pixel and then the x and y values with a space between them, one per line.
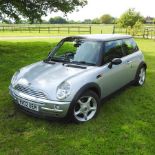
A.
pixel 113 78
pixel 132 57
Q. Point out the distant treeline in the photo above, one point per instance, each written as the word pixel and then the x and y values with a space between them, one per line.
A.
pixel 130 19
pixel 104 19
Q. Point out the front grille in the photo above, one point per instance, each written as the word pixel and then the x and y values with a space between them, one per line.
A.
pixel 30 92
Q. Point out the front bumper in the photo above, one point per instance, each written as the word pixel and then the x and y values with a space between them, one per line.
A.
pixel 45 108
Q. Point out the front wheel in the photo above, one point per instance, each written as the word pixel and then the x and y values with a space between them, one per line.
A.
pixel 86 107
pixel 141 75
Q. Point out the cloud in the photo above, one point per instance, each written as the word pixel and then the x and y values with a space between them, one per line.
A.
pixel 96 8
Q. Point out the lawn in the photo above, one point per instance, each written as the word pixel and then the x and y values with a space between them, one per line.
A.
pixel 125 124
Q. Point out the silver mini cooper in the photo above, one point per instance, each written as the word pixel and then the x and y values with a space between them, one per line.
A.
pixel 77 74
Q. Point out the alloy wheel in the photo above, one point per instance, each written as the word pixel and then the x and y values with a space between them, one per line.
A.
pixel 142 76
pixel 85 108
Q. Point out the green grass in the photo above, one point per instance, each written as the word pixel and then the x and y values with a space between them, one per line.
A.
pixel 96 28
pixel 125 124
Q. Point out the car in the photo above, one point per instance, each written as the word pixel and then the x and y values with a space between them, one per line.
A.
pixel 77 74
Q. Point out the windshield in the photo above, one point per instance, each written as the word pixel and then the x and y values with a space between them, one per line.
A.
pixel 77 51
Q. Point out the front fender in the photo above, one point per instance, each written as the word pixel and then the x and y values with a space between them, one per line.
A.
pixel 89 86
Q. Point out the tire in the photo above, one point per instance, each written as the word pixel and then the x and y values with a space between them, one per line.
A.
pixel 85 107
pixel 140 77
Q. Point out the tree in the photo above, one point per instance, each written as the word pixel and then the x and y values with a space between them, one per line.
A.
pixel 129 18
pixel 96 21
pixel 72 22
pixel 57 20
pixel 106 19
pixel 87 21
pixel 6 21
pixel 35 9
pixel 44 22
pixel 138 27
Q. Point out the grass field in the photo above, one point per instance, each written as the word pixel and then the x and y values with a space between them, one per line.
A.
pixel 125 124
pixel 98 28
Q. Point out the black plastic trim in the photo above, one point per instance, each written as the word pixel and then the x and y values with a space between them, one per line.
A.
pixel 140 65
pixel 76 66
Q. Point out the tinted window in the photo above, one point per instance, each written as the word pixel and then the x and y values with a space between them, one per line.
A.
pixel 129 46
pixel 113 49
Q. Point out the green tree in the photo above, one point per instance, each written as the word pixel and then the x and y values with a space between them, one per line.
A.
pixel 138 27
pixel 44 22
pixel 129 18
pixel 96 21
pixel 57 20
pixel 72 22
pixel 35 9
pixel 87 21
pixel 6 21
pixel 106 19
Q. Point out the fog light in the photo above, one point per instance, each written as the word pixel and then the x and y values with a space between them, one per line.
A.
pixel 56 107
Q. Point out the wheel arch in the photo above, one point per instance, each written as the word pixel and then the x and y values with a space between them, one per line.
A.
pixel 91 86
pixel 88 87
pixel 140 65
pixel 143 64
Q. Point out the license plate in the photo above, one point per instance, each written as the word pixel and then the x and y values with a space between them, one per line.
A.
pixel 29 105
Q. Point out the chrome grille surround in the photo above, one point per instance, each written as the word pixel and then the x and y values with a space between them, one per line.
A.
pixel 31 92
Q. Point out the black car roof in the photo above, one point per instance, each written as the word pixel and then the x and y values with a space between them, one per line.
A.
pixel 100 37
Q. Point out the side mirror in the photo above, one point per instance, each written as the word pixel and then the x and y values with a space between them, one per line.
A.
pixel 115 61
pixel 77 45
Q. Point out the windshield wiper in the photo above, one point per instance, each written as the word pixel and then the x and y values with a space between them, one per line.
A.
pixel 75 66
pixel 48 61
pixel 83 62
pixel 57 60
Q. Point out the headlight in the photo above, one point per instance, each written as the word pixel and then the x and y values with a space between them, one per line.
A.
pixel 14 78
pixel 63 90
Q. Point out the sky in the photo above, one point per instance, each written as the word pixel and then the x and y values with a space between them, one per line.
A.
pixel 96 8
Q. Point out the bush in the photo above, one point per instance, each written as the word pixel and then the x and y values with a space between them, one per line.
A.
pixel 129 18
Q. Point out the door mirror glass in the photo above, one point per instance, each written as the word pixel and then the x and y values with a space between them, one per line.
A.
pixel 115 61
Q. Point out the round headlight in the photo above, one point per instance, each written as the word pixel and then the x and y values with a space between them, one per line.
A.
pixel 63 90
pixel 14 78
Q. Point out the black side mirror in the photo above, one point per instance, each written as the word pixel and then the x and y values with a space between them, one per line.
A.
pixel 115 61
pixel 77 45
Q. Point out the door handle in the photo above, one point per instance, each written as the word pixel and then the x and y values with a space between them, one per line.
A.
pixel 99 76
pixel 129 62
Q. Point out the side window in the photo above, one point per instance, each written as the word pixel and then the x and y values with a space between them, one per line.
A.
pixel 113 49
pixel 129 46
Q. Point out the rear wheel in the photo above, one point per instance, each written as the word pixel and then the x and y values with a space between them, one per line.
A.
pixel 141 75
pixel 85 107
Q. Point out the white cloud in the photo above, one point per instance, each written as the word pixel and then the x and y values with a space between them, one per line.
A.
pixel 96 8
